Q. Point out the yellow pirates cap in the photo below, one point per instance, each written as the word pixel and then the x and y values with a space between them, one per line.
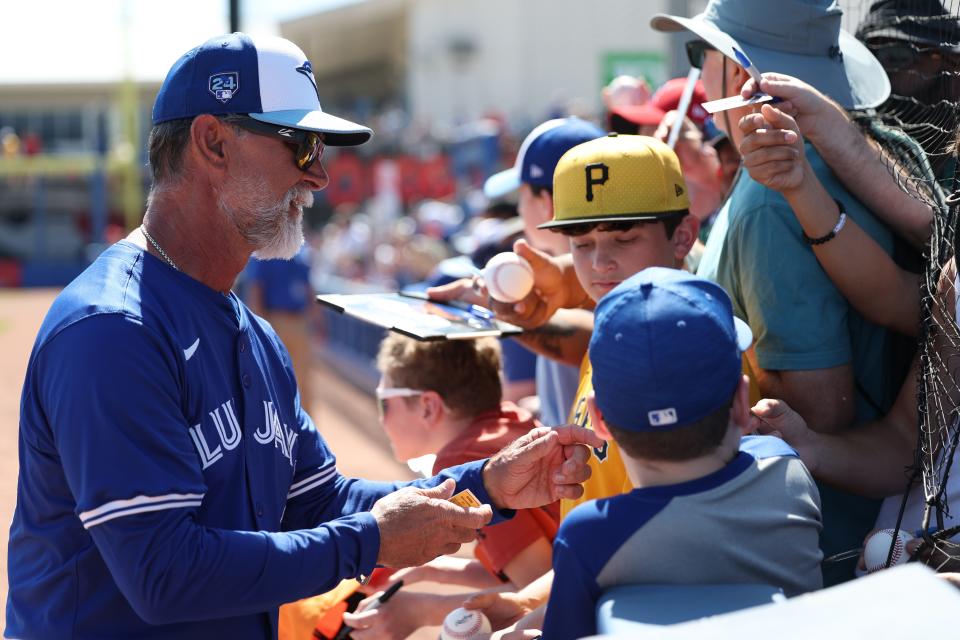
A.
pixel 617 178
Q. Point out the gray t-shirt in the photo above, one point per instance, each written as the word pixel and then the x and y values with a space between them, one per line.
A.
pixel 755 521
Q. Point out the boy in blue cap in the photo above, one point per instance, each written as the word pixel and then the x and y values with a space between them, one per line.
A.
pixel 531 178
pixel 666 353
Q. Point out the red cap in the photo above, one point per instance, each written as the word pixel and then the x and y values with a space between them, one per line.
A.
pixel 640 114
pixel 667 98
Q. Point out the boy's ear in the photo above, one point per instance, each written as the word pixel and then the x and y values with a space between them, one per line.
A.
pixel 596 418
pixel 740 411
pixel 684 236
pixel 546 206
pixel 432 408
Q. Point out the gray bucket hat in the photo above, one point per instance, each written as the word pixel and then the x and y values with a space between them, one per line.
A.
pixel 801 38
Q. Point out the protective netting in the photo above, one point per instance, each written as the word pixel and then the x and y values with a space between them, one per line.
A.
pixel 918 43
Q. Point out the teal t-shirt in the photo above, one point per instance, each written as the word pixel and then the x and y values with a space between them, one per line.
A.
pixel 800 321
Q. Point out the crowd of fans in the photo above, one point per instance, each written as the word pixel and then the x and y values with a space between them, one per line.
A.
pixel 811 212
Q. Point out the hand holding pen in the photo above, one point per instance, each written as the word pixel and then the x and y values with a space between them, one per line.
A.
pixel 374 604
pixel 744 62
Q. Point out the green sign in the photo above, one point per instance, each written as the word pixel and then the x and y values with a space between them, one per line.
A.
pixel 650 65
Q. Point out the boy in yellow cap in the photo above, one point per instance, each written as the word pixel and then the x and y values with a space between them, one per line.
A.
pixel 623 203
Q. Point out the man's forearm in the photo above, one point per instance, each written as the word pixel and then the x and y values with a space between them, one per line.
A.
pixel 564 338
pixel 859 267
pixel 871 459
pixel 825 398
pixel 862 167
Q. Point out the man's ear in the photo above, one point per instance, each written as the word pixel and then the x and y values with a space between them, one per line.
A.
pixel 684 237
pixel 596 418
pixel 740 411
pixel 209 141
pixel 739 77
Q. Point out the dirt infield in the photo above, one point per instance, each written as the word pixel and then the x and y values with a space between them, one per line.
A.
pixel 346 417
pixel 21 312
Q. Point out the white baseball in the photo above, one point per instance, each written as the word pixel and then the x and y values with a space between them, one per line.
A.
pixel 877 547
pixel 509 278
pixel 465 624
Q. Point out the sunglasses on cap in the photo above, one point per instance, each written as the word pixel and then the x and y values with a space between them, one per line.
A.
pixel 309 144
pixel 394 392
pixel 696 50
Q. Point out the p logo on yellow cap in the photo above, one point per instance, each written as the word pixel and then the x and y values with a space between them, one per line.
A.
pixel 617 178
pixel 604 172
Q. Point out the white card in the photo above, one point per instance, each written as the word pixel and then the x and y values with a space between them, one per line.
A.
pixel 725 104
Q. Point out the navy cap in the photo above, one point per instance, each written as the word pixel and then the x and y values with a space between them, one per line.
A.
pixel 539 154
pixel 268 78
pixel 665 350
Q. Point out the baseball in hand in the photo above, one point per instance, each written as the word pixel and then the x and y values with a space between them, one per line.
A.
pixel 465 624
pixel 877 547
pixel 509 278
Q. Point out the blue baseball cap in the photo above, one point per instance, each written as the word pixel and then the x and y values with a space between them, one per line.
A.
pixel 539 154
pixel 267 78
pixel 665 350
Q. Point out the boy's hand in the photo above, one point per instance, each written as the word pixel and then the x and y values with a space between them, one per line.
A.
pixel 553 288
pixel 772 149
pixel 776 418
pixel 503 608
pixel 396 619
pixel 469 290
pixel 548 294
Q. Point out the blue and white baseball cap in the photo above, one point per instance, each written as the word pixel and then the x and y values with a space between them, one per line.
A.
pixel 665 350
pixel 539 154
pixel 268 78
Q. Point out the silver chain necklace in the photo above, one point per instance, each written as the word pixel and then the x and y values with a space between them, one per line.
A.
pixel 156 246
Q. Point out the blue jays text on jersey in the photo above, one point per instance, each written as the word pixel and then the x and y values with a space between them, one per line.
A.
pixel 170 483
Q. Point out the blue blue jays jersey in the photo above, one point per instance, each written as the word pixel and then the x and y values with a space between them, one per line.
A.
pixel 756 520
pixel 170 483
pixel 284 284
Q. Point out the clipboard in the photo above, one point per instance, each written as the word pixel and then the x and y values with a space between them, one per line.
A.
pixel 413 314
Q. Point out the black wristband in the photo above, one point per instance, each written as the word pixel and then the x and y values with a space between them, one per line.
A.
pixel 833 232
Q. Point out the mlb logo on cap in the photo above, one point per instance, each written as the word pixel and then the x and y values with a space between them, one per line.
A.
pixel 269 79
pixel 662 417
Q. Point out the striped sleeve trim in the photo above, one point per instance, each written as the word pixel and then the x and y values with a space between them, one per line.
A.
pixel 139 504
pixel 312 482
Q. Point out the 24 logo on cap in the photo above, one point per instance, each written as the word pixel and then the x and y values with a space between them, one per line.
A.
pixel 224 86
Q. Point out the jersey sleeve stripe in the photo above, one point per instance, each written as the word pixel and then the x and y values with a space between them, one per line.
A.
pixel 138 504
pixel 312 482
pixel 322 471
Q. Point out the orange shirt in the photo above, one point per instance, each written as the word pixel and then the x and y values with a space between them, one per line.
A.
pixel 487 434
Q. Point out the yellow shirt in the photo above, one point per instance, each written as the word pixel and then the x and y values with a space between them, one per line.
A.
pixel 608 477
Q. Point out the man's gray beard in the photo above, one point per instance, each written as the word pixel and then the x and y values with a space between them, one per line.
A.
pixel 266 225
